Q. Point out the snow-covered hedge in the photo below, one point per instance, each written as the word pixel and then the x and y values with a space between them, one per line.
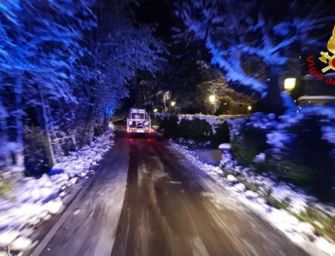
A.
pixel 212 120
pixel 248 135
pixel 298 148
pixel 199 128
pixel 302 148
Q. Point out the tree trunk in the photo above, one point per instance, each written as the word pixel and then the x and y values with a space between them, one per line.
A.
pixel 19 110
pixel 52 133
pixel 50 151
pixel 4 137
pixel 18 159
pixel 273 102
pixel 74 141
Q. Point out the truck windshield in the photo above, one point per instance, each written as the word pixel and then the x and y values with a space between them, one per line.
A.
pixel 137 116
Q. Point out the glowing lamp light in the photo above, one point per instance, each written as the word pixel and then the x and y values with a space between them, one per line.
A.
pixel 173 103
pixel 249 108
pixel 155 110
pixel 289 83
pixel 212 99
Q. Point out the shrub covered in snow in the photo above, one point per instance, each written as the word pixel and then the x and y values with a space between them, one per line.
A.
pixel 198 128
pixel 248 135
pixel 302 149
pixel 221 134
pixel 299 148
pixel 168 124
pixel 37 160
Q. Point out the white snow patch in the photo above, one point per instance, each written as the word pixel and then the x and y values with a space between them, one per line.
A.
pixel 54 206
pixel 251 194
pixel 260 158
pixel 240 187
pixel 305 228
pixel 225 146
pixel 21 244
pixel 231 178
pixel 325 246
pixel 7 237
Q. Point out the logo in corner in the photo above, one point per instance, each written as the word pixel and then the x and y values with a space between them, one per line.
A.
pixel 329 56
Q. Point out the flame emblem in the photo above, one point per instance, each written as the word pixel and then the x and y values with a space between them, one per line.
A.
pixel 329 56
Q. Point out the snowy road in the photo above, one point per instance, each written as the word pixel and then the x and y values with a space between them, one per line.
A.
pixel 169 208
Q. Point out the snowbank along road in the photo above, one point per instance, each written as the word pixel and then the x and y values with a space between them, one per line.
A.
pixel 146 199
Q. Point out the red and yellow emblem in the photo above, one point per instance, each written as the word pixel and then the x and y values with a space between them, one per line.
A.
pixel 329 56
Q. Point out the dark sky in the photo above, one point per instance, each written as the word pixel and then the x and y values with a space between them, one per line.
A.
pixel 157 12
pixel 160 12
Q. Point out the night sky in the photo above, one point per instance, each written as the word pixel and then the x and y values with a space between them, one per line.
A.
pixel 160 13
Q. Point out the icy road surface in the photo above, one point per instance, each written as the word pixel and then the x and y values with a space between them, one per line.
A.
pixel 147 200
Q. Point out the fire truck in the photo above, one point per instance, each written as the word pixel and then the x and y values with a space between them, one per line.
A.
pixel 138 121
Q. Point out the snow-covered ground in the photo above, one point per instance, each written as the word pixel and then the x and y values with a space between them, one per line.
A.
pixel 301 233
pixel 32 200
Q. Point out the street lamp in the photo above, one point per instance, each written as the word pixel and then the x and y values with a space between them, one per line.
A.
pixel 212 99
pixel 155 110
pixel 249 108
pixel 290 83
pixel 173 103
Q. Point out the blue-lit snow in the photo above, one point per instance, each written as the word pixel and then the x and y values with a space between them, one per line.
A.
pixel 34 200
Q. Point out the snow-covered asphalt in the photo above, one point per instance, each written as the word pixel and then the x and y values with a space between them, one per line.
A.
pixel 146 199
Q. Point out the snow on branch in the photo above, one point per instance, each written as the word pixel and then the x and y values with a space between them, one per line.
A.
pixel 231 30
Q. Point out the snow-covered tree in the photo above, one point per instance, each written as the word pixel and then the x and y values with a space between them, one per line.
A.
pixel 41 45
pixel 64 66
pixel 124 47
pixel 235 30
pixel 119 47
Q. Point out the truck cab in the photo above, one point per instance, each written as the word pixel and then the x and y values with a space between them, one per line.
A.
pixel 138 121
